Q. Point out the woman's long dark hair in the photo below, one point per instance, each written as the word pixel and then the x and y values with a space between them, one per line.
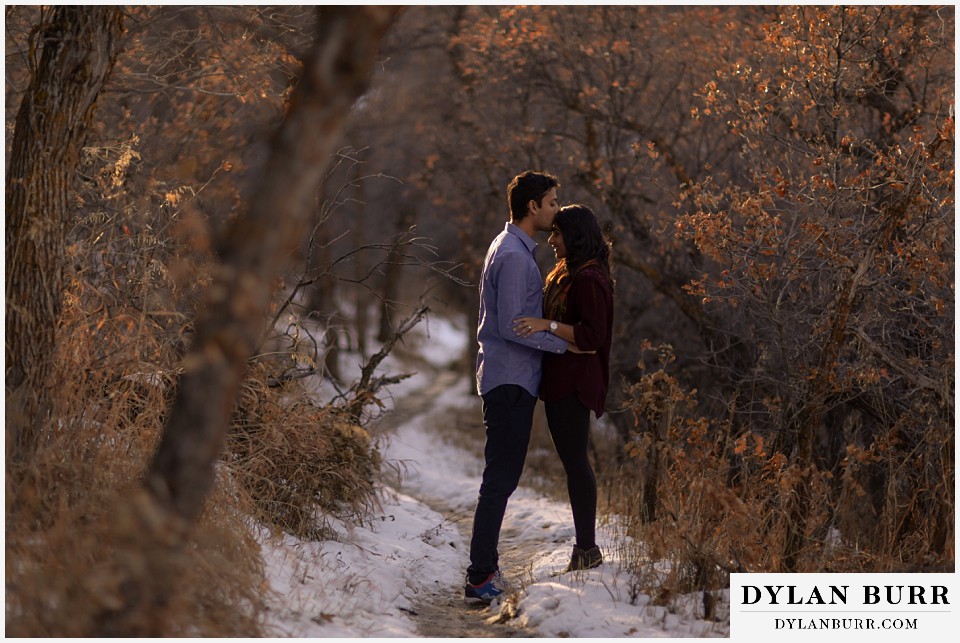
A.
pixel 585 244
pixel 582 237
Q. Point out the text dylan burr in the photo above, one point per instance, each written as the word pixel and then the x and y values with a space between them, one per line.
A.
pixel 838 594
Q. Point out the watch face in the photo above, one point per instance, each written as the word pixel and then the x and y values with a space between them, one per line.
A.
pixel 553 326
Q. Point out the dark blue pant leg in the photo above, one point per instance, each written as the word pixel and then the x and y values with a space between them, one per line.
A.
pixel 508 417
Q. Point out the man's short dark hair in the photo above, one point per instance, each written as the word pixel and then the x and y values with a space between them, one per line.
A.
pixel 528 186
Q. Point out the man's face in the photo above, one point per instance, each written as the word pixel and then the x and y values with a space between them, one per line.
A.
pixel 544 214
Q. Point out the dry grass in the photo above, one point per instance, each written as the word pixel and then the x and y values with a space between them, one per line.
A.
pixel 77 524
pixel 723 500
pixel 69 528
pixel 300 462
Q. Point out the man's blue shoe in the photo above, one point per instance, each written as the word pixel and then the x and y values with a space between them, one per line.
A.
pixel 487 591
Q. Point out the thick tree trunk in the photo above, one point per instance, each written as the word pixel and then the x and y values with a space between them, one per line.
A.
pixel 257 249
pixel 79 49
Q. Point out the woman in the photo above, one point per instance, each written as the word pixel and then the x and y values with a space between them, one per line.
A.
pixel 578 306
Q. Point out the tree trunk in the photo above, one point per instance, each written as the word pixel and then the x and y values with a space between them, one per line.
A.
pixel 811 415
pixel 321 301
pixel 659 428
pixel 363 298
pixel 392 280
pixel 256 250
pixel 80 45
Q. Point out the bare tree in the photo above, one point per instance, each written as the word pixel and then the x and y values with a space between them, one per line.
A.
pixel 253 254
pixel 255 251
pixel 79 47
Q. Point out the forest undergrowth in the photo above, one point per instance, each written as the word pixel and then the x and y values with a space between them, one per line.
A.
pixel 780 201
pixel 697 502
pixel 289 462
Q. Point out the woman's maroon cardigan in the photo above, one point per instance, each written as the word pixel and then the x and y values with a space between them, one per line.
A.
pixel 590 311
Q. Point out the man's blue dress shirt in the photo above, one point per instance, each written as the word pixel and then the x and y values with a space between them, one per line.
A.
pixel 511 287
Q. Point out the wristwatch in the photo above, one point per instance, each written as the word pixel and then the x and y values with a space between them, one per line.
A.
pixel 554 326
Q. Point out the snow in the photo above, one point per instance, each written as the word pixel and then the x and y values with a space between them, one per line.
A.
pixel 360 586
pixel 367 582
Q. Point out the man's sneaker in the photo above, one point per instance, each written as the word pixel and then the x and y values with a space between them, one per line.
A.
pixel 486 591
pixel 584 559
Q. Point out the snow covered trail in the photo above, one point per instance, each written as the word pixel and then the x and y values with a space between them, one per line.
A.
pixel 536 538
pixel 440 611
pixel 402 574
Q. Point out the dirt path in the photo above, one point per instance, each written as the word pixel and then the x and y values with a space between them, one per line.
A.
pixel 443 613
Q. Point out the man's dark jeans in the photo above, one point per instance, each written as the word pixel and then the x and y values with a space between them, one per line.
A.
pixel 508 417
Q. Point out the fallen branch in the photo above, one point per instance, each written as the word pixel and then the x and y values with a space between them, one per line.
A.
pixel 364 391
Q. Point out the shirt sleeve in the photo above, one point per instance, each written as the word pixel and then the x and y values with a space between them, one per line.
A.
pixel 591 309
pixel 511 279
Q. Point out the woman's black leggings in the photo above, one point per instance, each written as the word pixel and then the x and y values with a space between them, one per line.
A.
pixel 569 422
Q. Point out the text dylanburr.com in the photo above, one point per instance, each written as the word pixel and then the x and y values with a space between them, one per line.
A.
pixel 844 607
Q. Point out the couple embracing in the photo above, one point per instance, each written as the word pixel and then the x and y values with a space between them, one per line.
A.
pixel 552 342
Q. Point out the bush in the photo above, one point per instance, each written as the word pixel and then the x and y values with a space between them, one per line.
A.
pixel 72 520
pixel 299 461
pixel 78 519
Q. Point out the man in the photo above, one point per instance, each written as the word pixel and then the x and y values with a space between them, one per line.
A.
pixel 508 367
